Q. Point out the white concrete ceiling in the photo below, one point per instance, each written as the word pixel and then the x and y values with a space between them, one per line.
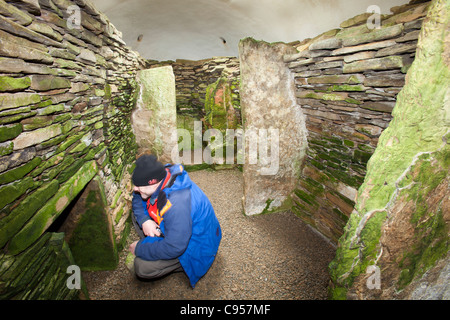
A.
pixel 192 29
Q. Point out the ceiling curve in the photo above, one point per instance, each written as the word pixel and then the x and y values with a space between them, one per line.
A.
pixel 199 29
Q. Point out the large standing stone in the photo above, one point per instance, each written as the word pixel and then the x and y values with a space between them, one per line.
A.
pixel 272 116
pixel 398 231
pixel 154 120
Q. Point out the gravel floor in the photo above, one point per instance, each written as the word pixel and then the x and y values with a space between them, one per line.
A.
pixel 269 257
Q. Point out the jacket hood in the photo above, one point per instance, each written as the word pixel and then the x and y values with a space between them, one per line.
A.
pixel 182 180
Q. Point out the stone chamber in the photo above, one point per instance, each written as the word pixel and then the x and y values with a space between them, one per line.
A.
pixel 361 116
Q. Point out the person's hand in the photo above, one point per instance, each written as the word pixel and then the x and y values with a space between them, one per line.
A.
pixel 150 228
pixel 132 247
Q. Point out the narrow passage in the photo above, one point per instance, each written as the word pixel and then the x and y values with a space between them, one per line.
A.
pixel 271 256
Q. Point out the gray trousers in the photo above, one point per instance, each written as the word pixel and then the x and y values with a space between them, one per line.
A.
pixel 153 269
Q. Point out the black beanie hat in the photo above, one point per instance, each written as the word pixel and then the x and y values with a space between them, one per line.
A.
pixel 148 171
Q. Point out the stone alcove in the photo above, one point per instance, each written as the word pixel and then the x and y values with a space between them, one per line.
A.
pixel 88 229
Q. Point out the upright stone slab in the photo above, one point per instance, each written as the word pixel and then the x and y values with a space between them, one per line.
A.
pixel 273 122
pixel 395 244
pixel 154 120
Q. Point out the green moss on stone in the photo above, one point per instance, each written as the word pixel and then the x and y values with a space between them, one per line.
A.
pixel 53 142
pixel 406 138
pixel 432 240
pixel 218 105
pixel 15 279
pixel 53 208
pixel 119 215
pixel 14 84
pixel 91 243
pixel 107 90
pixel 36 122
pixel 306 197
pixel 197 167
pixel 346 87
pixel 43 104
pixel 122 243
pixel 353 101
pixel 314 186
pixel 69 141
pixel 15 100
pixel 59 167
pixel 116 198
pixel 54 160
pixel 52 109
pixel 349 143
pixel 70 170
pixel 11 224
pixel 19 172
pixel 338 293
pixel 80 147
pixel 317 164
pixel 370 236
pixel 6 148
pixel 9 132
pixel 434 245
pixel 361 157
pixel 11 192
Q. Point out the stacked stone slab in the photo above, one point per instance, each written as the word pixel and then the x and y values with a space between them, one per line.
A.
pixel 66 95
pixel 347 81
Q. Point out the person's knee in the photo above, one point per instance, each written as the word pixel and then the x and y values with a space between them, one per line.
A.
pixel 155 269
pixel 142 270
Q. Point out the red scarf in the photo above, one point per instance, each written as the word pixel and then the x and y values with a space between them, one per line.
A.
pixel 152 209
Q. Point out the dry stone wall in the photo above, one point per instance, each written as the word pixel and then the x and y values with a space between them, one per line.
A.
pixel 192 79
pixel 347 82
pixel 67 89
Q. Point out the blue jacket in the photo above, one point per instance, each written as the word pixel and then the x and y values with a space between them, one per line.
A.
pixel 191 230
